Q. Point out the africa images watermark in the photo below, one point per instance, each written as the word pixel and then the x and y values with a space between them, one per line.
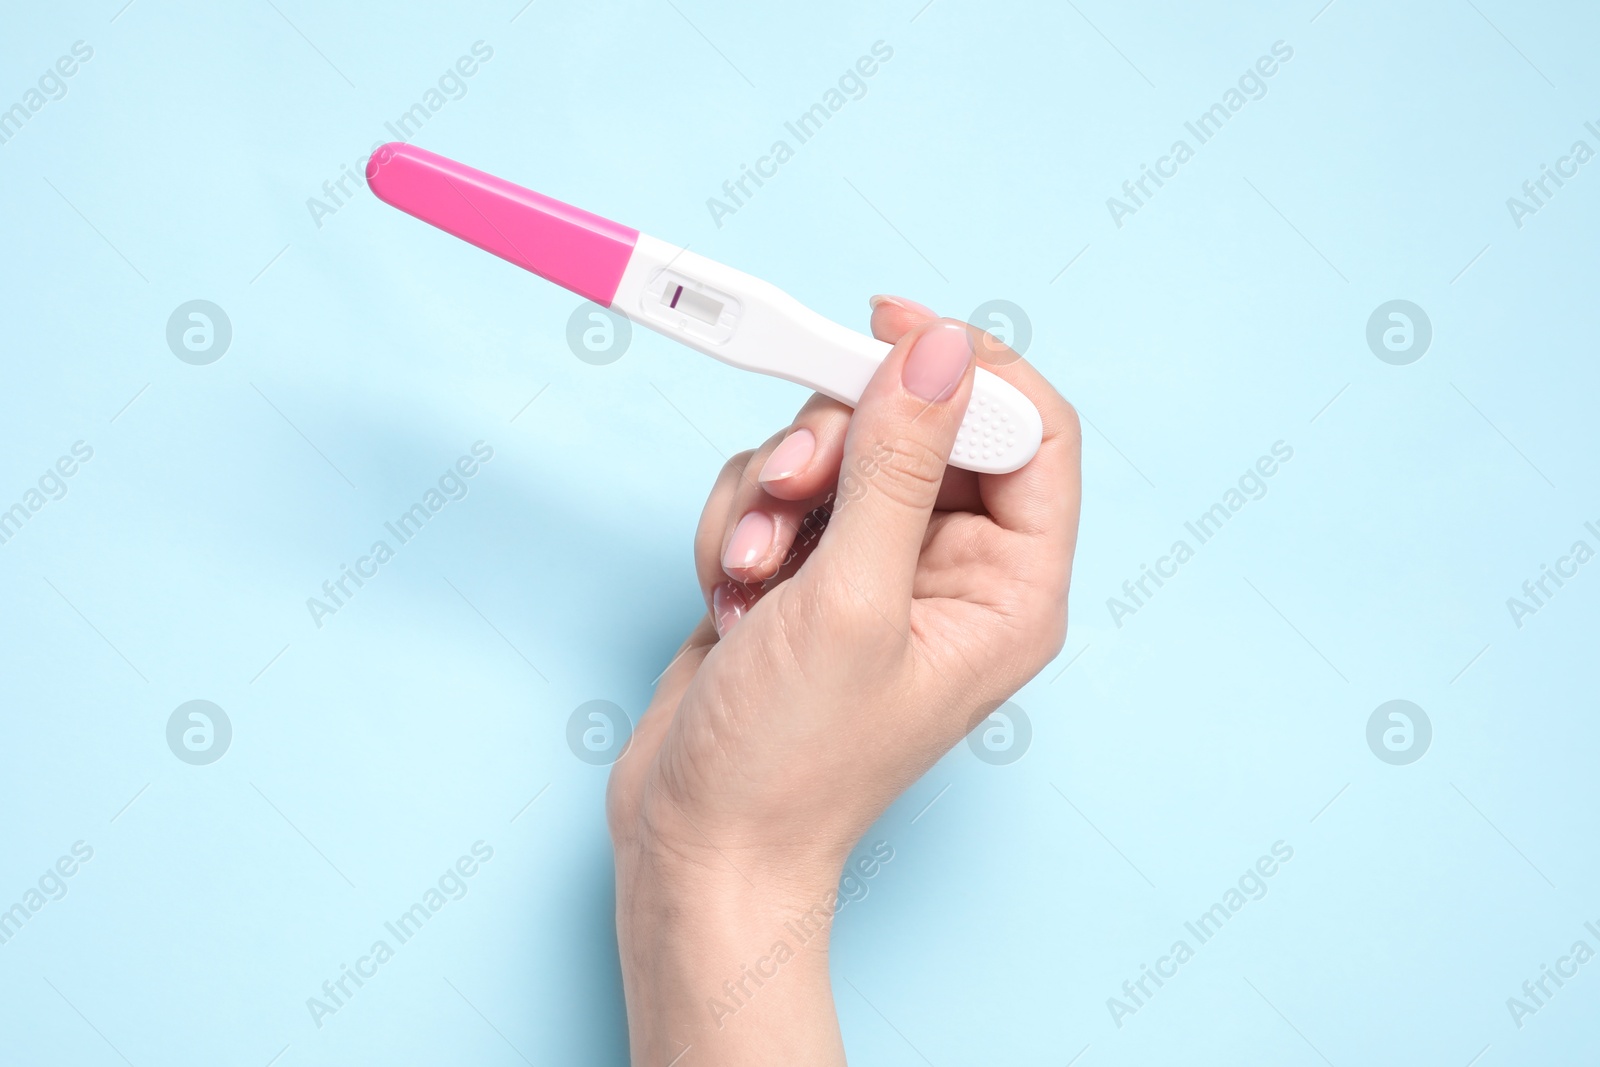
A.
pixel 452 485
pixel 339 190
pixel 52 885
pixel 52 485
pixel 1538 191
pixel 1208 524
pixel 803 928
pixel 52 85
pixel 337 992
pixel 1537 992
pixel 1252 85
pixel 1537 592
pixel 802 129
pixel 1137 992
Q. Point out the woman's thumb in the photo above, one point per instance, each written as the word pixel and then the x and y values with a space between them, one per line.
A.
pixel 899 440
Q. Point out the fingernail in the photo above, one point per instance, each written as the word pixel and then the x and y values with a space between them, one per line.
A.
pixel 790 457
pixel 937 361
pixel 727 607
pixel 902 302
pixel 751 540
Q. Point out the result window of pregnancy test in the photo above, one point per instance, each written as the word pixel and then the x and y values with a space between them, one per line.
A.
pixel 693 304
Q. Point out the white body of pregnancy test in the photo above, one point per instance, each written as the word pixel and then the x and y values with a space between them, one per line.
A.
pixel 712 308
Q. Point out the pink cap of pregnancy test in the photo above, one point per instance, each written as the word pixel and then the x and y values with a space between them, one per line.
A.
pixel 558 242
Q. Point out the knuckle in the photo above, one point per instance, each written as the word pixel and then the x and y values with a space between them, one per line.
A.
pixel 1034 605
pixel 1054 633
pixel 1051 627
pixel 708 543
pixel 908 472
pixel 1072 426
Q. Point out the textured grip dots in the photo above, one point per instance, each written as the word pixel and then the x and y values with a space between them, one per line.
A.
pixel 988 435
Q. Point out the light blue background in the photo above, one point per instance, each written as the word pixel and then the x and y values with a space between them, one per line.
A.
pixel 370 352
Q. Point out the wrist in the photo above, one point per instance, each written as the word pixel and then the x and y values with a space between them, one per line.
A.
pixel 669 863
pixel 671 906
pixel 722 959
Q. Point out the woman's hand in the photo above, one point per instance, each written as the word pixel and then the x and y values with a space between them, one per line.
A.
pixel 867 608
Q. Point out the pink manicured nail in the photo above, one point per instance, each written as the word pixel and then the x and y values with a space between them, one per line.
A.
pixel 937 361
pixel 727 607
pixel 790 457
pixel 751 540
pixel 902 302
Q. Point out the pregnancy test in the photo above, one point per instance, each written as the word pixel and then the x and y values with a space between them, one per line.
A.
pixel 714 309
